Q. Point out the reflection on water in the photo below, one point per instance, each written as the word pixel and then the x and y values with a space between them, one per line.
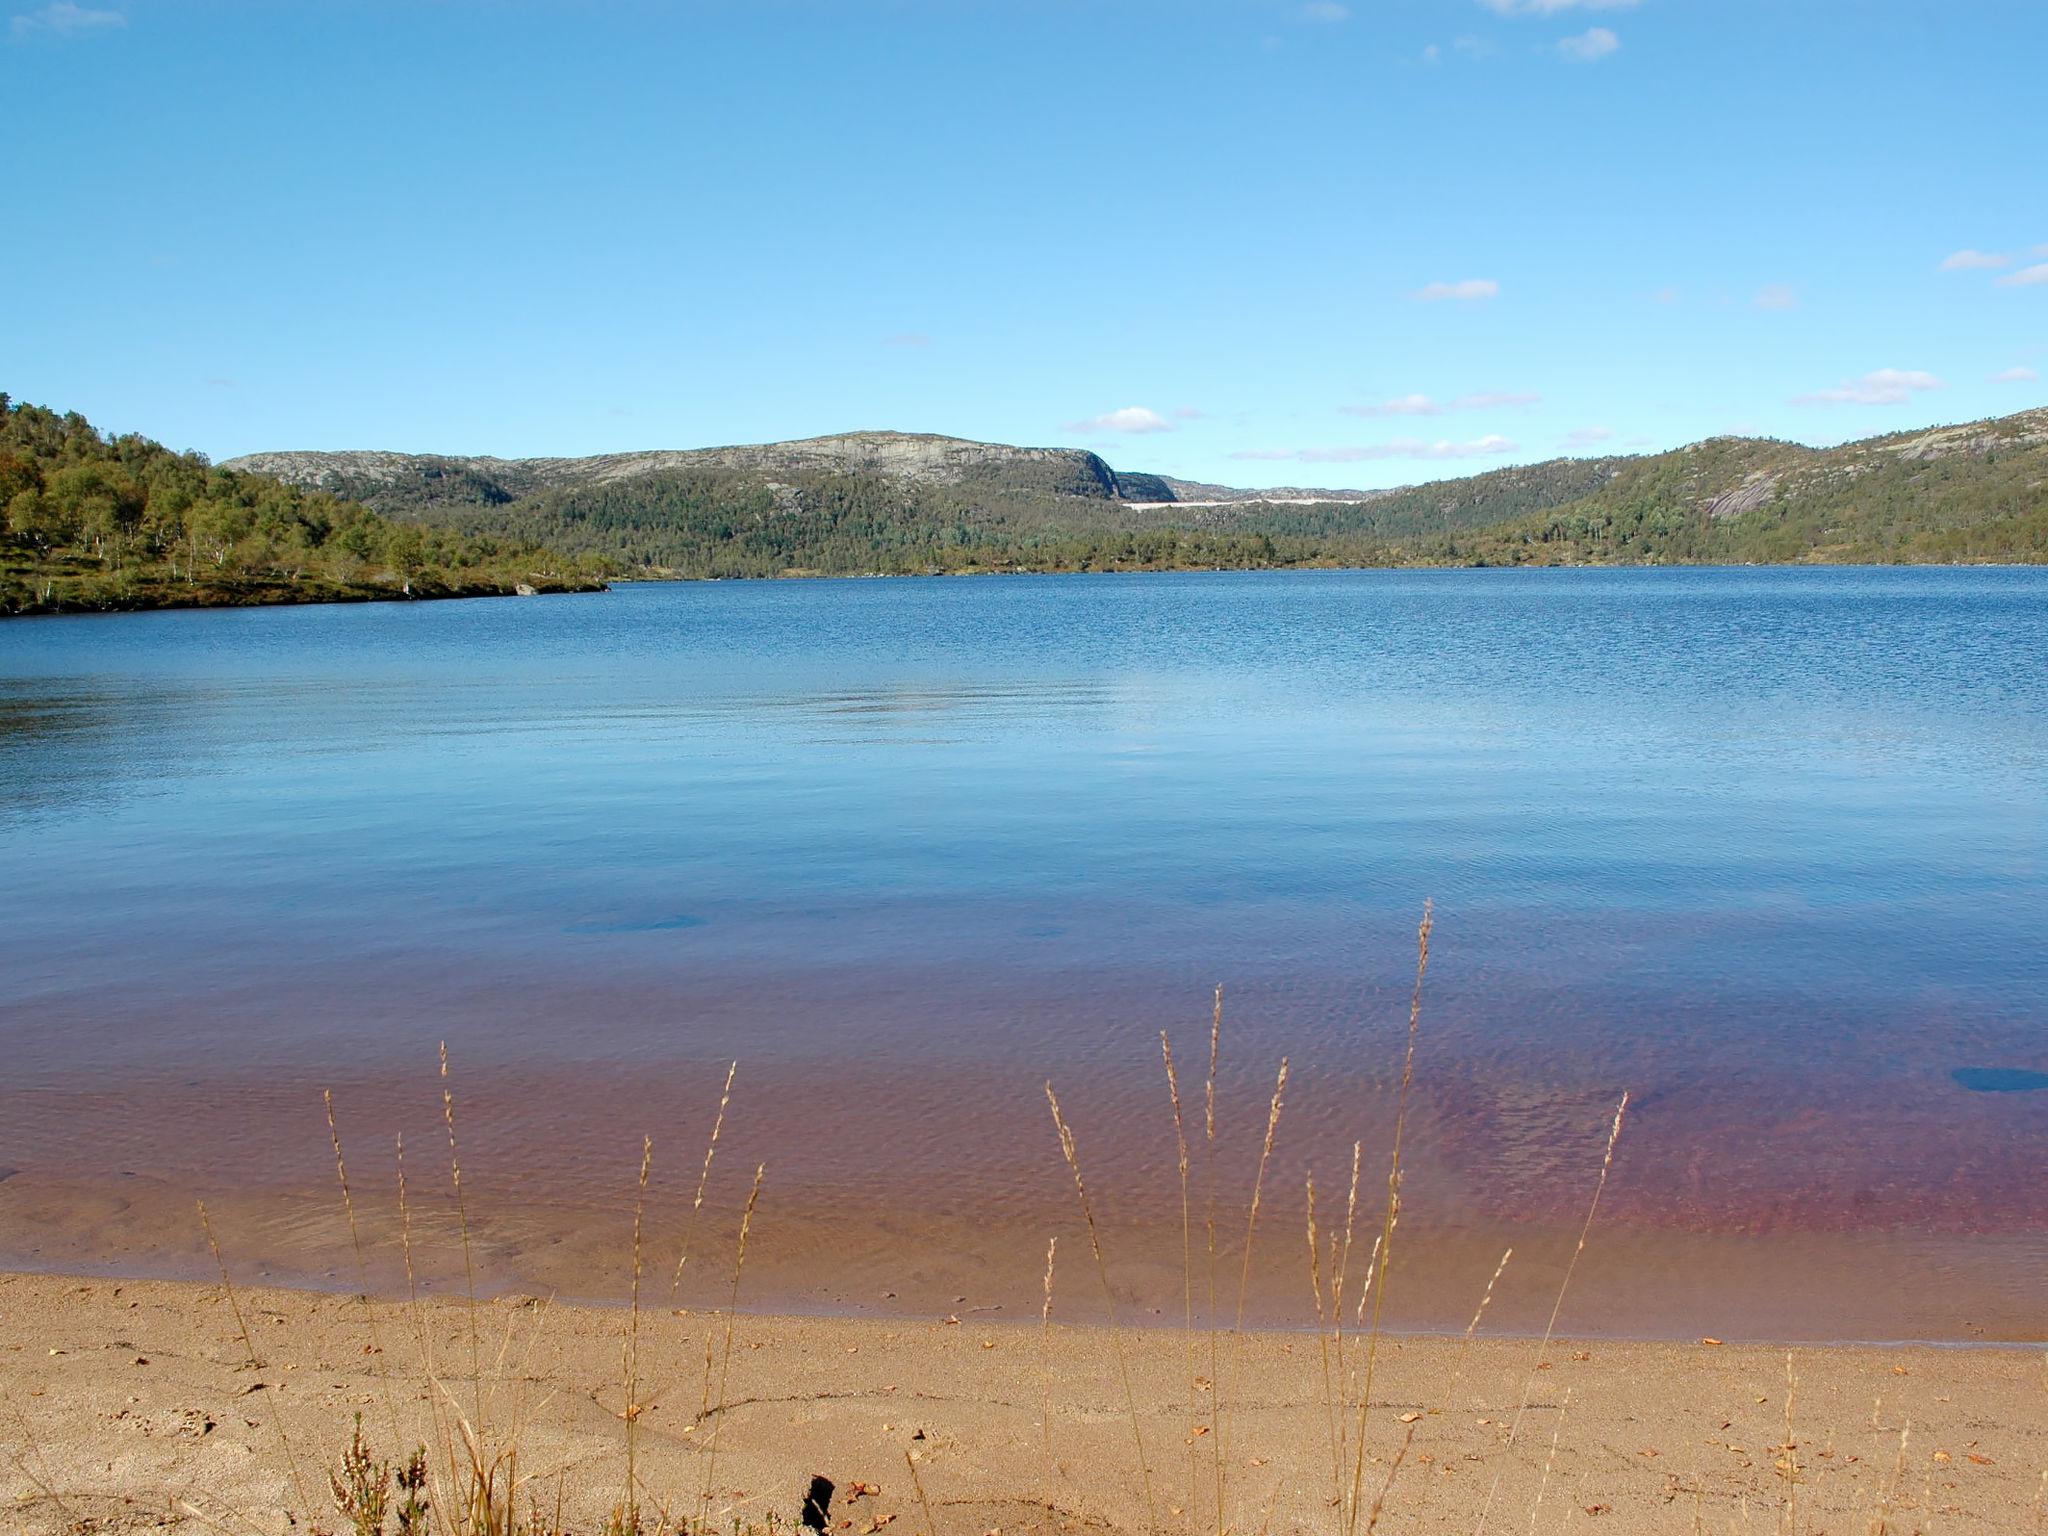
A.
pixel 1765 847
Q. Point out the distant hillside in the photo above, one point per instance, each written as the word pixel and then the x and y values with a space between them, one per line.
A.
pixel 1974 492
pixel 883 502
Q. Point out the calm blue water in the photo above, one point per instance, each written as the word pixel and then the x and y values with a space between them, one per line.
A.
pixel 1768 847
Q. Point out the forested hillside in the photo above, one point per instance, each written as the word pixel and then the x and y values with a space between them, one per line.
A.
pixel 93 522
pixel 893 503
pixel 1971 493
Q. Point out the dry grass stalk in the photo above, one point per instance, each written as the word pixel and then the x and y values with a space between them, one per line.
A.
pixel 1315 1282
pixel 249 1354
pixel 703 1180
pixel 1340 1266
pixel 1788 1456
pixel 42 1481
pixel 1549 1461
pixel 1123 1365
pixel 739 1264
pixel 444 1434
pixel 1881 1517
pixel 1187 1265
pixel 1457 1375
pixel 1251 1225
pixel 1379 1502
pixel 1052 1248
pixel 1383 1249
pixel 1244 1273
pixel 630 1504
pixel 1209 1244
pixel 462 1218
pixel 1550 1328
pixel 355 1238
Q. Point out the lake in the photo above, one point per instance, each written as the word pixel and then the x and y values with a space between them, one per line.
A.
pixel 1766 848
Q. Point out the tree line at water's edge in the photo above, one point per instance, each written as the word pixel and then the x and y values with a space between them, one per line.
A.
pixel 91 522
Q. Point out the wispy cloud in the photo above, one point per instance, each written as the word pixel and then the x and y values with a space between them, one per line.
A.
pixel 1967 260
pixel 915 341
pixel 1887 386
pixel 66 19
pixel 1466 290
pixel 1776 296
pixel 1429 405
pixel 1591 45
pixel 1130 418
pixel 1325 11
pixel 1586 437
pixel 1396 448
pixel 2017 375
pixel 1404 405
pixel 1189 413
pixel 2026 277
pixel 1553 7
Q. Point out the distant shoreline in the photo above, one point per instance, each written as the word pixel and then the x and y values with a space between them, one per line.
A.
pixel 289 597
pixel 282 595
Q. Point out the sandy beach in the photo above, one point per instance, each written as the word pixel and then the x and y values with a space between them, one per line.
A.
pixel 135 1406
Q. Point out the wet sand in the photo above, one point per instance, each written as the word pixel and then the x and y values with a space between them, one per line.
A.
pixel 132 1405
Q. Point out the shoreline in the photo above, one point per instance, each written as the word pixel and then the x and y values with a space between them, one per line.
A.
pixel 271 597
pixel 137 1398
pixel 782 1310
pixel 245 600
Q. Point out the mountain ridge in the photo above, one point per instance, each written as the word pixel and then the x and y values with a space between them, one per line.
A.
pixel 931 456
pixel 888 502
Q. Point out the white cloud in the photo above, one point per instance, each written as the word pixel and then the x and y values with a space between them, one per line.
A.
pixel 1552 7
pixel 1397 448
pixel 1189 413
pixel 67 19
pixel 1776 296
pixel 2026 277
pixel 2039 250
pixel 1466 290
pixel 1974 261
pixel 1592 44
pixel 1586 437
pixel 915 341
pixel 1887 386
pixel 1325 10
pixel 1428 405
pixel 1129 418
pixel 2019 375
pixel 1405 405
pixel 1432 54
pixel 1488 400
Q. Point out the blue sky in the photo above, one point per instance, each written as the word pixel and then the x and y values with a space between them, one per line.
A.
pixel 1256 241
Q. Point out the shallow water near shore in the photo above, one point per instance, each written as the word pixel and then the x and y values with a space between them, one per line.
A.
pixel 1763 847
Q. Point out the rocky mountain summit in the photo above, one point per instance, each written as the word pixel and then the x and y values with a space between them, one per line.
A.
pixel 395 481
